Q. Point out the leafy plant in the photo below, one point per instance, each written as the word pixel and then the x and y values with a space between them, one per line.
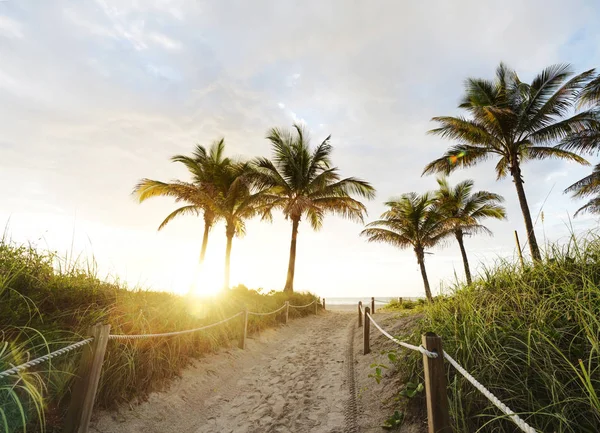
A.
pixel 411 389
pixel 394 422
pixel 378 375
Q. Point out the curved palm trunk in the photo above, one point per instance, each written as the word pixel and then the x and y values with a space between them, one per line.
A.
pixel 289 282
pixel 207 226
pixel 421 259
pixel 533 245
pixel 229 232
pixel 463 252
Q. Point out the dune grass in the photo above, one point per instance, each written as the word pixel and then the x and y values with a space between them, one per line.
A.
pixel 532 336
pixel 46 305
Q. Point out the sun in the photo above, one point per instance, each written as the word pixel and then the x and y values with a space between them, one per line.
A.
pixel 207 281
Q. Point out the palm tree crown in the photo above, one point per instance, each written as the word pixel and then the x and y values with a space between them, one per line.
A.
pixel 515 122
pixel 412 220
pixel 199 195
pixel 301 182
pixel 463 209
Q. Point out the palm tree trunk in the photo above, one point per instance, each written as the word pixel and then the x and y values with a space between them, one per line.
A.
pixel 207 225
pixel 421 259
pixel 289 282
pixel 463 252
pixel 229 232
pixel 533 245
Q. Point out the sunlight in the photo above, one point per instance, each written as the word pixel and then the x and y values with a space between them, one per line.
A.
pixel 207 281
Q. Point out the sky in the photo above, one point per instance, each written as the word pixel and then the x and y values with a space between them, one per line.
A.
pixel 96 94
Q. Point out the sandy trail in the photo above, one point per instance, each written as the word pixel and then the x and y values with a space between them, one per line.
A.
pixel 292 379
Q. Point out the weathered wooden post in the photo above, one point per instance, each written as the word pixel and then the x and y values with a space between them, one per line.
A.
pixel 372 305
pixel 86 383
pixel 359 314
pixel 366 332
pixel 323 304
pixel 244 329
pixel 438 416
pixel 519 250
pixel 316 306
pixel 287 311
pixel 400 300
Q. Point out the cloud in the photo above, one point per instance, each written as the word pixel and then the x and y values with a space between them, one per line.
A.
pixel 10 28
pixel 104 92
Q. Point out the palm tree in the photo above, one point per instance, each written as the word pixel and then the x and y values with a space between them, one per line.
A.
pixel 412 220
pixel 585 187
pixel 516 122
pixel 237 201
pixel 302 183
pixel 199 194
pixel 463 209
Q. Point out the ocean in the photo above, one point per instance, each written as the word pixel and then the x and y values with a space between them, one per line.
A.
pixel 348 303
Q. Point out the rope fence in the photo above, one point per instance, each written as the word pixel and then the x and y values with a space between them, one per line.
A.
pixel 90 366
pixel 435 379
pixel 44 358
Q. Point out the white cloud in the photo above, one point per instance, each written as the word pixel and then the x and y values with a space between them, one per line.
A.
pixel 165 41
pixel 10 28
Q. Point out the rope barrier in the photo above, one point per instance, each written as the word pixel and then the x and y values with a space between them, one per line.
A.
pixel 44 358
pixel 170 334
pixel 383 302
pixel 487 393
pixel 266 314
pixel 402 343
pixel 491 397
pixel 303 306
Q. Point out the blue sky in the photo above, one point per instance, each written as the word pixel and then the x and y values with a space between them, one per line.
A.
pixel 97 94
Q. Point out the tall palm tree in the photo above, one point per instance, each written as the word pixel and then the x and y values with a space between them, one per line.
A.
pixel 463 209
pixel 302 183
pixel 238 201
pixel 198 195
pixel 412 220
pixel 515 122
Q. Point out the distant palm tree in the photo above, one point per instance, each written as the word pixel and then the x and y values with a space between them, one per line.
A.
pixel 589 185
pixel 463 209
pixel 412 220
pixel 238 201
pixel 199 195
pixel 516 122
pixel 587 141
pixel 302 183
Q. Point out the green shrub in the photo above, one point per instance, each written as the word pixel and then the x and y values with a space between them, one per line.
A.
pixel 46 304
pixel 532 337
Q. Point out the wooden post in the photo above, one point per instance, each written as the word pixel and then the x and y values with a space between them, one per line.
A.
pixel 84 389
pixel 438 416
pixel 359 314
pixel 372 305
pixel 366 331
pixel 400 300
pixel 244 329
pixel 316 306
pixel 519 250
pixel 323 304
pixel 287 311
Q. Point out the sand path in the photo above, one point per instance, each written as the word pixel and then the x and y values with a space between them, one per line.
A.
pixel 292 379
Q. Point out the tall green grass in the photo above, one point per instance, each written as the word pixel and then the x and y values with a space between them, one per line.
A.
pixel 47 303
pixel 532 336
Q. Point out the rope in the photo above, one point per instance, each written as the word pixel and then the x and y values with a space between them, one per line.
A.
pixel 266 314
pixel 170 334
pixel 383 302
pixel 491 397
pixel 303 306
pixel 45 357
pixel 402 343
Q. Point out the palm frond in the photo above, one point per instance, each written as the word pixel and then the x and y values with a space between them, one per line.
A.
pixel 459 156
pixel 588 185
pixel 541 152
pixel 184 210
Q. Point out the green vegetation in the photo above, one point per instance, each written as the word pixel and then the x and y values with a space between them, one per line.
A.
pixel 463 210
pixel 298 181
pixel 302 183
pixel 46 304
pixel 532 336
pixel 517 122
pixel 412 220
